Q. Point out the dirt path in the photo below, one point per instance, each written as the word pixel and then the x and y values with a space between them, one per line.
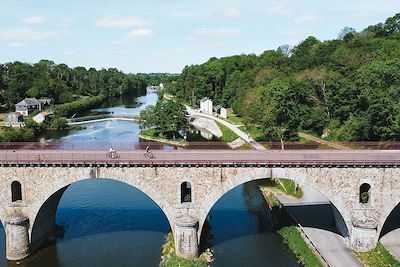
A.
pixel 316 139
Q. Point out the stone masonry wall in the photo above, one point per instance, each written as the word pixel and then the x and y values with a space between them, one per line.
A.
pixel 209 184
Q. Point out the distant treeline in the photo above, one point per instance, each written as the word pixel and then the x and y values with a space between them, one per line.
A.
pixel 347 88
pixel 47 79
pixel 157 78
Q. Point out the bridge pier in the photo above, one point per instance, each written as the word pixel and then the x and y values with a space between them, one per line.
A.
pixel 185 236
pixel 17 237
pixel 364 235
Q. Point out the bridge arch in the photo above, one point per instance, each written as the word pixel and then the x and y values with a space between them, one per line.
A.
pixel 45 208
pixel 296 175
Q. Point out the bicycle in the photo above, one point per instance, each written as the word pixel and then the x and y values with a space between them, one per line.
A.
pixel 113 155
pixel 149 155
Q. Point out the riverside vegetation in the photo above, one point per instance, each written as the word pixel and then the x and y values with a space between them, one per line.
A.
pixel 169 258
pixel 344 89
pixel 64 85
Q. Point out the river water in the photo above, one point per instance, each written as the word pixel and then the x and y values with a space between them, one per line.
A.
pixel 108 223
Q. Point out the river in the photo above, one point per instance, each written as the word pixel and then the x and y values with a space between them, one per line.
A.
pixel 108 223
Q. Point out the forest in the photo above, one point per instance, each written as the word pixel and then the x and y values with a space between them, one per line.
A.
pixel 47 79
pixel 345 89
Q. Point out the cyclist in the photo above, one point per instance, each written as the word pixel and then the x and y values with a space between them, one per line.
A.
pixel 148 153
pixel 112 153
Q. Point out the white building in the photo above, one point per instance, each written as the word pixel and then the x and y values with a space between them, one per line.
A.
pixel 221 111
pixel 206 105
pixel 41 117
pixel 161 86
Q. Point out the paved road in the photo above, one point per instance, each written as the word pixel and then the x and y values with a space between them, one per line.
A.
pixel 391 233
pixel 231 126
pixel 391 243
pixel 314 213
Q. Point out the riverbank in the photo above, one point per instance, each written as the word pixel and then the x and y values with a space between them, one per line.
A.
pixel 170 259
pixel 291 235
pixel 152 135
pixel 379 257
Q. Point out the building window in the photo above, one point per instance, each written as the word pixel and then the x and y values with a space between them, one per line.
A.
pixel 186 192
pixel 364 193
pixel 16 193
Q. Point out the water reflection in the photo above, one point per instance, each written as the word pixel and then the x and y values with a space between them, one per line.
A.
pixel 242 231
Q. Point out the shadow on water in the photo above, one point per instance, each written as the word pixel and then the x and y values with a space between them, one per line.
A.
pixel 241 231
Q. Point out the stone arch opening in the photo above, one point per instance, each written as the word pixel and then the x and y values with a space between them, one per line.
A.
pixel 342 225
pixel 392 222
pixel 45 221
pixel 16 191
pixel 186 192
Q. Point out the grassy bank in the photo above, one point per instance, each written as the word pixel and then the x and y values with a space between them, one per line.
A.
pixel 227 134
pixel 285 186
pixel 292 237
pixel 168 138
pixel 169 258
pixel 379 257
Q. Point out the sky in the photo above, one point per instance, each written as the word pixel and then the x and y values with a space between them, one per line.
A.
pixel 164 36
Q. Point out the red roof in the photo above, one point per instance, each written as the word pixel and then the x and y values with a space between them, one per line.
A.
pixel 17 113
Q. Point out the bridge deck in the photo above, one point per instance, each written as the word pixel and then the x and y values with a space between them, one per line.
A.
pixel 204 157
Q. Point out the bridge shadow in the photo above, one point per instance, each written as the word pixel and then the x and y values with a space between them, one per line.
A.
pixel 237 215
pixel 392 223
pixel 319 216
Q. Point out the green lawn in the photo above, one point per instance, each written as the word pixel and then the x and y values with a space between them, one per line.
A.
pixel 154 134
pixel 379 257
pixel 291 237
pixel 227 134
pixel 284 185
pixel 233 118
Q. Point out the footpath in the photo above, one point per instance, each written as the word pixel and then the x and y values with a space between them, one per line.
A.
pixel 314 214
pixel 323 142
pixel 231 126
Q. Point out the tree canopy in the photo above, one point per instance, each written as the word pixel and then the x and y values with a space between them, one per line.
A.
pixel 47 79
pixel 347 88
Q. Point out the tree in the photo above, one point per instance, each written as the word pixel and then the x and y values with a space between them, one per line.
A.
pixel 346 33
pixel 166 116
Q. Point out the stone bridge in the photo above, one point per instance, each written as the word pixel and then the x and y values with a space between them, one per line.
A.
pixel 30 191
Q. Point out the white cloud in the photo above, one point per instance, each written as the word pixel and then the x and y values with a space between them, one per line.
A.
pixel 17 45
pixel 26 34
pixel 220 32
pixel 310 17
pixel 70 52
pixel 134 35
pixel 33 20
pixel 211 46
pixel 279 10
pixel 295 32
pixel 67 22
pixel 232 13
pixel 362 15
pixel 121 22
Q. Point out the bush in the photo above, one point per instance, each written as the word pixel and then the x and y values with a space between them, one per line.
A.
pixel 68 109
